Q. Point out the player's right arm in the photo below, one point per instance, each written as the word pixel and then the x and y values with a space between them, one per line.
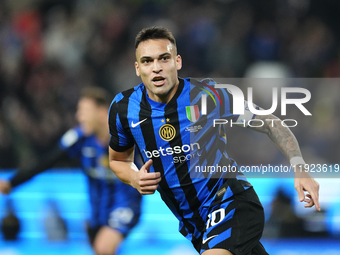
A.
pixel 122 164
pixel 121 152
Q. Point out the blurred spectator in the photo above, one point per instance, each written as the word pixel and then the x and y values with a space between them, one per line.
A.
pixel 283 222
pixel 10 224
pixel 49 50
pixel 7 150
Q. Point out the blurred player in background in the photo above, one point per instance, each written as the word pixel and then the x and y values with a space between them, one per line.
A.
pixel 115 205
pixel 220 214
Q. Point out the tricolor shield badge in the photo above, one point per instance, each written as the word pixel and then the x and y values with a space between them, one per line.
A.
pixel 192 113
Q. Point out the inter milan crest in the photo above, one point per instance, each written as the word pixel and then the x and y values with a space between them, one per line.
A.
pixel 192 113
pixel 167 132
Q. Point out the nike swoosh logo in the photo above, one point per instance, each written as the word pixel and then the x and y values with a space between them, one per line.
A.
pixel 133 125
pixel 205 240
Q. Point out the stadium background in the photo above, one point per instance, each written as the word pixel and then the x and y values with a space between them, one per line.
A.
pixel 50 49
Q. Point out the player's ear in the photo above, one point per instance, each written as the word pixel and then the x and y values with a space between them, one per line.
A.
pixel 137 68
pixel 178 62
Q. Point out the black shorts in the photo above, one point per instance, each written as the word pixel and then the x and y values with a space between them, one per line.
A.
pixel 236 225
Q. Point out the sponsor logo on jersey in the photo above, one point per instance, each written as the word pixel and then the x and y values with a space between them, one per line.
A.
pixel 179 154
pixel 133 125
pixel 206 240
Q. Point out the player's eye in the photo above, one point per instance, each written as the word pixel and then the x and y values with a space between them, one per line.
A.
pixel 165 58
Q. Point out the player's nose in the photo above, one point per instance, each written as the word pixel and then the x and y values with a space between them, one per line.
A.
pixel 157 66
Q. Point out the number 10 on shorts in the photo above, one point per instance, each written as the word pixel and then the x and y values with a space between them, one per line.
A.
pixel 215 217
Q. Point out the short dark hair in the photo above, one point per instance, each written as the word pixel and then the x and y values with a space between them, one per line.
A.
pixel 154 33
pixel 99 95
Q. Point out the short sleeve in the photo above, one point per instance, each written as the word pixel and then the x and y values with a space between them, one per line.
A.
pixel 120 140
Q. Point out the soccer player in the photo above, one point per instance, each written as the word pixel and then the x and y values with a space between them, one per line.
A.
pixel 115 205
pixel 219 213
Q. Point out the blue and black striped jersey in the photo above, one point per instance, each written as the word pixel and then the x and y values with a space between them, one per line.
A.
pixel 106 191
pixel 182 142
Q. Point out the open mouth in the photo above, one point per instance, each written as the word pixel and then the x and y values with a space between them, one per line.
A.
pixel 158 80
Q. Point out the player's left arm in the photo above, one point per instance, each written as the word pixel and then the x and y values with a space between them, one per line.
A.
pixel 285 140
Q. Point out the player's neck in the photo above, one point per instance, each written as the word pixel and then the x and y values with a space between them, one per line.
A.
pixel 167 98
